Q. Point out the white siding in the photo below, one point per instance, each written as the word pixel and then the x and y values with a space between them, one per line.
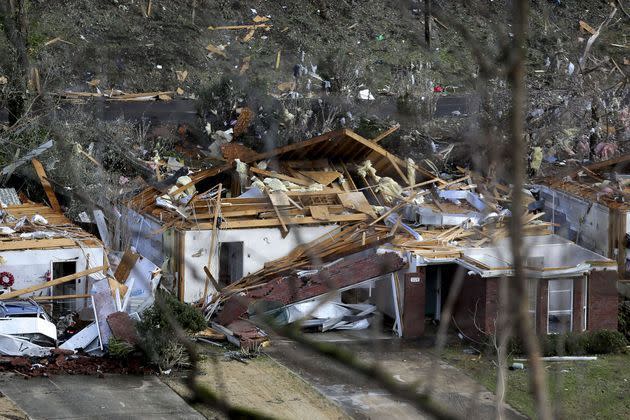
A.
pixel 259 247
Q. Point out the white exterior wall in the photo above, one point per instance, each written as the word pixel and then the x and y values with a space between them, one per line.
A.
pixel 589 221
pixel 259 246
pixel 31 267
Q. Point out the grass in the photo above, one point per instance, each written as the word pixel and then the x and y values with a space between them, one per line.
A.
pixel 594 390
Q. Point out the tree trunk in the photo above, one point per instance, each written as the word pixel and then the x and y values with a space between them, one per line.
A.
pixel 518 285
pixel 13 15
pixel 427 22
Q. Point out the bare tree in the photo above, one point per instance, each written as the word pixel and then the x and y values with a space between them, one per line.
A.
pixel 518 287
pixel 427 22
pixel 14 23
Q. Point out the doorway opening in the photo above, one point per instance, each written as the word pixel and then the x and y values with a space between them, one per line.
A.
pixel 62 269
pixel 230 262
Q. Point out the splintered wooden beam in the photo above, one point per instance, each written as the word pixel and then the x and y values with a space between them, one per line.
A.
pixel 55 282
pixel 236 224
pixel 279 198
pixel 213 241
pixel 48 189
pixel 378 149
pixel 386 133
pixel 280 176
pixel 398 170
pixel 127 263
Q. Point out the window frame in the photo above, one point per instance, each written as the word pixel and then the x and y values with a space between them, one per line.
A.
pixel 564 311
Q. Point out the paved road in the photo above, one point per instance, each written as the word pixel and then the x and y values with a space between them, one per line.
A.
pixel 87 397
pixel 455 105
pixel 185 111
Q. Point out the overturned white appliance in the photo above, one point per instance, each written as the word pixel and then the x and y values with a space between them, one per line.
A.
pixel 27 320
pixel 25 329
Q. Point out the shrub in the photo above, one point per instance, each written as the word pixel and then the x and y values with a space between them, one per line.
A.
pixel 624 318
pixel 551 345
pixel 119 349
pixel 605 341
pixel 158 338
pixel 187 316
pixel 576 344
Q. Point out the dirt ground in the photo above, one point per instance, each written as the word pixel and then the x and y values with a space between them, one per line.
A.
pixel 264 384
pixel 8 410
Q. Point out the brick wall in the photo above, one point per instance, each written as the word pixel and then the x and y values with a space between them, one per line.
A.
pixel 470 307
pixel 602 300
pixel 480 296
pixel 414 303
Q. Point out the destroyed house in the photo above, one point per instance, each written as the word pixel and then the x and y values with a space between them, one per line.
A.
pixel 337 212
pixel 569 287
pixel 590 206
pixel 39 244
pixel 300 192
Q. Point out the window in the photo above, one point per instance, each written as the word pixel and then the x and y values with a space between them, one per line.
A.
pixel 560 306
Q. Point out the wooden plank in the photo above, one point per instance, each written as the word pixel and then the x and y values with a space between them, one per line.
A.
pixel 458 180
pixel 60 297
pixel 357 201
pixel 330 136
pixel 38 244
pixel 280 176
pixel 212 279
pixel 115 285
pixel 421 184
pixel 322 177
pixel 610 162
pixel 319 212
pixel 386 133
pixel 127 263
pixel 398 170
pixel 378 149
pixel 55 282
pixel 279 198
pixel 213 241
pixel 236 224
pixel 48 189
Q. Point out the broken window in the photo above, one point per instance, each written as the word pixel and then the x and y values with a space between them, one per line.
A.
pixel 230 262
pixel 62 269
pixel 560 306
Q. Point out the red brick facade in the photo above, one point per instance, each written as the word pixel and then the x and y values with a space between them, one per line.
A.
pixel 473 311
pixel 414 303
pixel 603 300
pixel 476 306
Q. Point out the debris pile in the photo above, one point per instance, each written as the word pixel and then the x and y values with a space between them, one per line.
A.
pixel 288 235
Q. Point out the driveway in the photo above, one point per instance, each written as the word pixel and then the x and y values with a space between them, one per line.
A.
pixel 408 362
pixel 89 397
